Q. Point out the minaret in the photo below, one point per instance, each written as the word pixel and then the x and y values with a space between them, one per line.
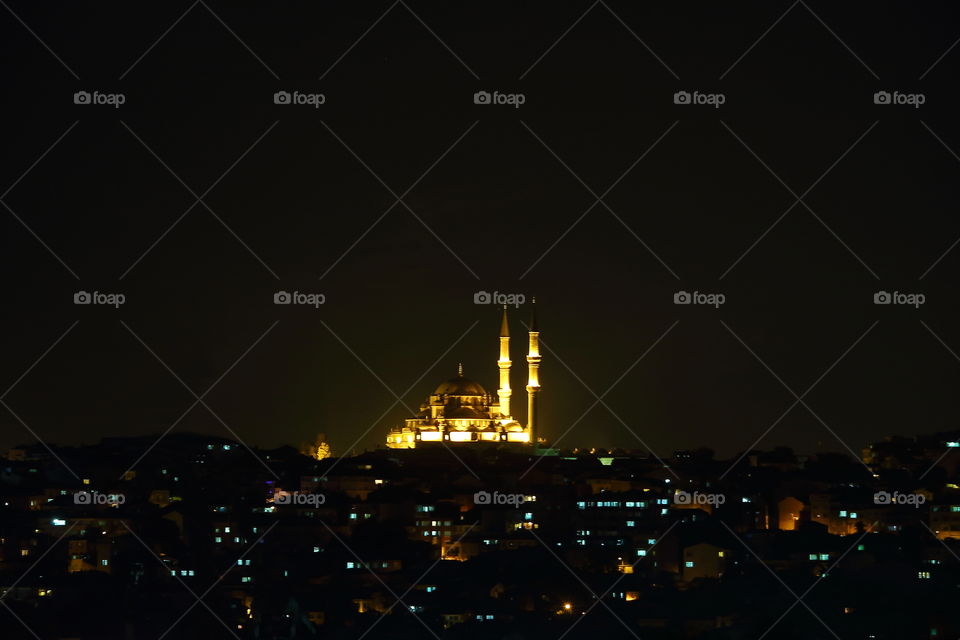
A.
pixel 533 376
pixel 504 365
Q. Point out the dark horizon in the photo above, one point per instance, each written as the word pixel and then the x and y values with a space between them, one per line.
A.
pixel 703 199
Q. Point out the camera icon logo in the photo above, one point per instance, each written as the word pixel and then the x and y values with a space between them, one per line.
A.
pixel 482 97
pixel 81 97
pixel 681 97
pixel 881 497
pixel 281 97
pixel 881 97
pixel 482 297
pixel 282 297
pixel 82 297
pixel 683 497
pixel 481 497
pixel 82 497
pixel 682 297
pixel 882 297
pixel 283 498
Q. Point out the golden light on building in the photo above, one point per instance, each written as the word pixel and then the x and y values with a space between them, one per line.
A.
pixel 461 411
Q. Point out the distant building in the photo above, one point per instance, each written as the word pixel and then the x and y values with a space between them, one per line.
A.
pixel 461 410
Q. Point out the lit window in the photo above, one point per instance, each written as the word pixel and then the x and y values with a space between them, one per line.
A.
pixel 350 565
pixel 853 514
pixel 812 556
pixel 104 563
pixel 824 556
pixel 688 564
pixel 316 549
pixel 923 575
pixel 246 579
pixel 631 523
pixel 641 552
pixel 843 514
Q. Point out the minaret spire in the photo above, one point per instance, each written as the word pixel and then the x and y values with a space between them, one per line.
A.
pixel 533 376
pixel 503 364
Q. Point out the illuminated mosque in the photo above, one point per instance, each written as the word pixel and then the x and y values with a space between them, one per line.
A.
pixel 461 411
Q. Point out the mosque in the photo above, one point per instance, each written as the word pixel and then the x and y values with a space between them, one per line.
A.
pixel 461 410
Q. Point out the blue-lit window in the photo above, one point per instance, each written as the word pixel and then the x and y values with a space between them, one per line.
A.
pixel 631 523
pixel 688 564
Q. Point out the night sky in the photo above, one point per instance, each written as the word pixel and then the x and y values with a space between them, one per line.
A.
pixel 296 198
